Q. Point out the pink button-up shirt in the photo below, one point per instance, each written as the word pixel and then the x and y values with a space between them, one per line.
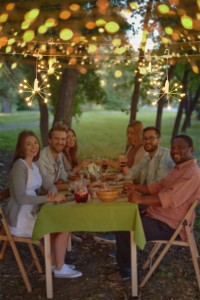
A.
pixel 177 191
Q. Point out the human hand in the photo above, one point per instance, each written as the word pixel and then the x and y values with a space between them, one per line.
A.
pixel 85 163
pixel 55 197
pixel 129 186
pixel 122 160
pixel 134 197
pixel 59 181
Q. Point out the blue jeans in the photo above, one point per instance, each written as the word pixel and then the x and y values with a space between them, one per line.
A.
pixel 153 229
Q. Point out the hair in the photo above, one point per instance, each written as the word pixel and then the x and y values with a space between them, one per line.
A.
pixel 57 127
pixel 138 126
pixel 157 131
pixel 71 155
pixel 186 138
pixel 20 148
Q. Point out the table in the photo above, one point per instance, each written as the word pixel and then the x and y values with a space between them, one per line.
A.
pixel 92 217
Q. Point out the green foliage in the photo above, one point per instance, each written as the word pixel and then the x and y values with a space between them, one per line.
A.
pixel 8 85
pixel 118 90
pixel 89 90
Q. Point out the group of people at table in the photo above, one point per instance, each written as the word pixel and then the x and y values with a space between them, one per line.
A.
pixel 168 182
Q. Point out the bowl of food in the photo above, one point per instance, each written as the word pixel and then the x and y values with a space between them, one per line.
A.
pixel 107 195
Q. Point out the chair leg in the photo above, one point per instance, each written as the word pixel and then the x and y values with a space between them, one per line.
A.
pixel 18 260
pixel 35 257
pixel 3 249
pixel 21 267
pixel 155 264
pixel 153 252
pixel 41 248
pixel 194 252
pixel 195 246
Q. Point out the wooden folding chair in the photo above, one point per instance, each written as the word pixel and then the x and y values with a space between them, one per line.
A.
pixel 189 243
pixel 6 238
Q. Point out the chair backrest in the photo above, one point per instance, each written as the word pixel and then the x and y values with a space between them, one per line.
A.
pixel 186 221
pixel 6 238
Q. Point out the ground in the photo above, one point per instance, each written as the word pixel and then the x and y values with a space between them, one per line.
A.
pixel 174 279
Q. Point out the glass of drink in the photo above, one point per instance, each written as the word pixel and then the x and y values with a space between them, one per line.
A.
pixel 81 193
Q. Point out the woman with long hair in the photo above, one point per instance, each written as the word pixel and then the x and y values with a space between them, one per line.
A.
pixel 70 154
pixel 25 198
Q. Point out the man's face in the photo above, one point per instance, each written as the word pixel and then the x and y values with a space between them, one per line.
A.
pixel 57 141
pixel 180 150
pixel 151 141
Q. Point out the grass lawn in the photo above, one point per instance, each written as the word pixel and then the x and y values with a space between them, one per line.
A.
pixel 99 132
pixel 18 117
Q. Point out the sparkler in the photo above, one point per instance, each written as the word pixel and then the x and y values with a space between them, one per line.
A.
pixel 150 69
pixel 53 64
pixel 51 69
pixel 37 89
pixel 173 92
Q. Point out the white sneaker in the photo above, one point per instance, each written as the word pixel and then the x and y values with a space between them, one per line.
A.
pixel 73 267
pixel 66 272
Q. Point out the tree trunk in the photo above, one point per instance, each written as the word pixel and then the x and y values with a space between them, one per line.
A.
pixel 160 104
pixel 193 104
pixel 6 106
pixel 159 113
pixel 137 83
pixel 44 122
pixel 64 107
pixel 181 106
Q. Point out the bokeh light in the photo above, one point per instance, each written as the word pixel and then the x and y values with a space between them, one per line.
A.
pixel 163 9
pixel 66 34
pixel 65 14
pixel 112 27
pixel 187 22
pixel 28 36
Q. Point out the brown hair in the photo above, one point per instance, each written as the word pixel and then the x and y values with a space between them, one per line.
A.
pixel 57 127
pixel 72 154
pixel 157 131
pixel 20 149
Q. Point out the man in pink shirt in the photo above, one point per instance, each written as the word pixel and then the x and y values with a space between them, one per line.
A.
pixel 168 200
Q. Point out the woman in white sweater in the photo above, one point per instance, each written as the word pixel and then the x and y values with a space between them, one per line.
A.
pixel 22 206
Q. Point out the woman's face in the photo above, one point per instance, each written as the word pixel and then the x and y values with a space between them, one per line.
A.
pixel 70 140
pixel 31 147
pixel 132 137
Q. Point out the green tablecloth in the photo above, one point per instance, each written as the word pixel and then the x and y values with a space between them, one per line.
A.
pixel 112 216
